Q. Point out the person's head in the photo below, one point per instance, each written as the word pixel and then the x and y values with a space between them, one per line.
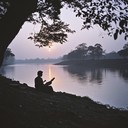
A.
pixel 39 73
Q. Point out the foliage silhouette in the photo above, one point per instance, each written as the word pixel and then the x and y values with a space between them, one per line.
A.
pixel 84 52
pixel 8 53
pixel 111 16
pixel 124 51
pixel 9 57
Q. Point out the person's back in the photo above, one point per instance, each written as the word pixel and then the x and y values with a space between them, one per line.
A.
pixel 39 83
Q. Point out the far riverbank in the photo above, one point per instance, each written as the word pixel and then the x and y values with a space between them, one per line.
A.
pixel 104 63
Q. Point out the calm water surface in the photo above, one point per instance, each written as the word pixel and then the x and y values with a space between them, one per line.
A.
pixel 107 86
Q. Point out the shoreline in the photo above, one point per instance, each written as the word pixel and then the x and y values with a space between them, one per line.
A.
pixel 24 107
pixel 102 63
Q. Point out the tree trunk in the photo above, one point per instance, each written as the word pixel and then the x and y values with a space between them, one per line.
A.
pixel 10 24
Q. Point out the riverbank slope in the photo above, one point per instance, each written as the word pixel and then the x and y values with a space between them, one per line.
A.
pixel 23 107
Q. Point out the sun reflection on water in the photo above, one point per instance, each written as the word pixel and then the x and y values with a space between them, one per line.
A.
pixel 49 72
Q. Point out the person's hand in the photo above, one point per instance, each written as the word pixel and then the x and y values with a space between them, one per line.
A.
pixel 48 83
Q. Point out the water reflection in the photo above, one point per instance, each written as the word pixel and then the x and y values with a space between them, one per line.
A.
pixel 85 74
pixel 124 73
pixel 10 69
pixel 94 75
pixel 108 86
pixel 49 72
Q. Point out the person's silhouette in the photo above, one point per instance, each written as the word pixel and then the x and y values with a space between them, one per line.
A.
pixel 43 85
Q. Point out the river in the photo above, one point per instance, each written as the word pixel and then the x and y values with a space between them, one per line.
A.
pixel 106 86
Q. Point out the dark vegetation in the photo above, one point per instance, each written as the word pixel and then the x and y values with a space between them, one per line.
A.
pixel 9 57
pixel 106 63
pixel 95 56
pixel 124 51
pixel 83 51
pixel 96 52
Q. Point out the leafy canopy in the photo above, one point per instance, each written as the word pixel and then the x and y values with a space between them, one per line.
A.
pixel 110 15
pixel 124 51
pixel 83 51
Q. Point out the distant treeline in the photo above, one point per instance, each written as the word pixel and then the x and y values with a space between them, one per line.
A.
pixel 38 61
pixel 95 56
pixel 96 52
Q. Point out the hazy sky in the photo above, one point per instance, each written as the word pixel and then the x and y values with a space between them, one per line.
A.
pixel 24 48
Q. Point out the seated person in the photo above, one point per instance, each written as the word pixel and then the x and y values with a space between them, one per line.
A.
pixel 41 85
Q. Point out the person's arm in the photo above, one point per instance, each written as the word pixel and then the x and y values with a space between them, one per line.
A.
pixel 49 82
pixel 44 81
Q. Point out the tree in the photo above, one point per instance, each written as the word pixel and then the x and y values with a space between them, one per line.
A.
pixel 73 55
pixel 98 50
pixel 81 50
pixel 124 51
pixel 95 51
pixel 111 16
pixel 125 46
pixel 8 53
pixel 91 51
pixel 13 14
pixel 79 53
pixel 9 57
